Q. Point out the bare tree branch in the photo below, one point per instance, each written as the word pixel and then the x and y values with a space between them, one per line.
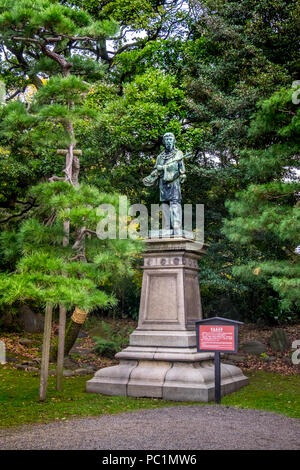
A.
pixel 27 209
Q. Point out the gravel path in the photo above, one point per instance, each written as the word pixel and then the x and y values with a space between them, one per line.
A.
pixel 179 428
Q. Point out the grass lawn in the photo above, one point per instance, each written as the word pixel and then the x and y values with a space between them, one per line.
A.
pixel 19 398
pixel 268 391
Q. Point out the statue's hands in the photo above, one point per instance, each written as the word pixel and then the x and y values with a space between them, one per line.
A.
pixel 182 178
pixel 151 179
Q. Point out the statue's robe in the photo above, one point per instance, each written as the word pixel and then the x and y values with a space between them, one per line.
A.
pixel 168 168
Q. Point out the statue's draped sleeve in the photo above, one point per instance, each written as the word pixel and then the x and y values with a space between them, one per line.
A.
pixel 151 179
pixel 154 175
pixel 170 171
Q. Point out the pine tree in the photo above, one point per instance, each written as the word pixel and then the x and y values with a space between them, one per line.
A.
pixel 61 264
pixel 38 40
pixel 267 214
pixel 69 275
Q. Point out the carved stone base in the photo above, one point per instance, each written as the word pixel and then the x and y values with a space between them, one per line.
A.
pixel 189 380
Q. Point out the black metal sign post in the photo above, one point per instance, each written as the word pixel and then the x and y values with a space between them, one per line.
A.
pixel 217 378
pixel 217 335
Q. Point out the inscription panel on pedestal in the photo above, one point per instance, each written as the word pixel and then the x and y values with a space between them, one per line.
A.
pixel 162 302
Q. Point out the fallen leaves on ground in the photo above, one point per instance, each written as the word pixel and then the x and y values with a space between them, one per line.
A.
pixel 280 361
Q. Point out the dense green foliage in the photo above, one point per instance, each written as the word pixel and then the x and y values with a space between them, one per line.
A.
pixel 111 341
pixel 50 272
pixel 267 213
pixel 217 74
pixel 234 62
pixel 53 253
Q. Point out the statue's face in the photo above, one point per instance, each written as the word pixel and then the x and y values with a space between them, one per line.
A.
pixel 169 142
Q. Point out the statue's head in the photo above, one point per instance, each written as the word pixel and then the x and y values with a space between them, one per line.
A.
pixel 169 141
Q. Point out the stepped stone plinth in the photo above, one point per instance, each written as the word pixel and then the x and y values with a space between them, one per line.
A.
pixel 161 360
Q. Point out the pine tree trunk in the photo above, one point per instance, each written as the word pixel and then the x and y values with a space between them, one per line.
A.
pixel 71 335
pixel 61 347
pixel 45 352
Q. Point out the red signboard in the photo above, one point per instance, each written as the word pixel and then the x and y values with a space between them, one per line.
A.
pixel 217 337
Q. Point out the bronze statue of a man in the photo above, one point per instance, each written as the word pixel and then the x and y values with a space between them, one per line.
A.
pixel 169 170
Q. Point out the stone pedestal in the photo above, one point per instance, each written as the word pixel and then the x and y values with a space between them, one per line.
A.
pixel 162 360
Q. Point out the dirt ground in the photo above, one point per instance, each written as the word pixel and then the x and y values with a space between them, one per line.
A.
pixel 83 354
pixel 275 361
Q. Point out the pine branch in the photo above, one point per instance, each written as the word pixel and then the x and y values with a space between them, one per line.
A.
pixel 81 236
pixel 278 196
pixel 51 219
pixel 79 257
pixel 287 112
pixel 27 209
pixel 65 65
pixel 56 178
pixel 16 38
pixel 24 202
pixel 16 93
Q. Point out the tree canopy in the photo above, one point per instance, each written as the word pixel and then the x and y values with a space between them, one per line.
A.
pixel 109 77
